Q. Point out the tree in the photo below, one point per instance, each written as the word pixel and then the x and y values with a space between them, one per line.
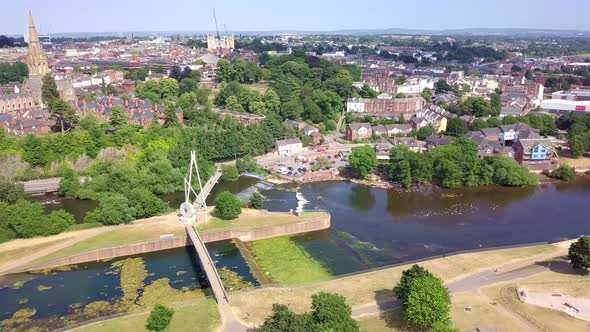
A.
pixel 579 254
pixel 246 164
pixel 229 173
pixel 48 90
pixel 11 192
pixel 256 201
pixel 176 73
pixel 59 221
pixel 564 172
pixel 456 127
pixel 427 95
pixel 363 160
pixel 34 151
pixel 425 132
pixel 402 289
pixel 232 104
pixel 367 92
pixel 227 206
pixel 159 318
pixel 69 184
pixel 63 112
pixel 528 75
pixel 170 118
pixel 400 169
pixel 331 313
pixel 118 117
pixel 225 71
pixel 145 204
pixel 188 85
pixel 428 303
pixel 113 209
pixel 495 104
pixel 284 319
pixel 272 102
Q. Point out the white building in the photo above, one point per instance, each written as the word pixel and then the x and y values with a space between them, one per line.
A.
pixel 563 105
pixel 355 105
pixel 289 147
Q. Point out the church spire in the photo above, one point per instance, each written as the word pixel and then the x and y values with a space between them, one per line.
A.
pixel 36 59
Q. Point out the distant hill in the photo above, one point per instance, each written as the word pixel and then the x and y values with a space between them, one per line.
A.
pixel 516 32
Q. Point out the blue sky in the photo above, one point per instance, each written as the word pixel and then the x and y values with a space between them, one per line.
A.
pixel 54 16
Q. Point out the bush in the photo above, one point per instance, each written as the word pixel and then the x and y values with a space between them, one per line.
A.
pixel 247 164
pixel 159 318
pixel 145 204
pixel 69 184
pixel 59 221
pixel 11 192
pixel 229 173
pixel 27 220
pixel 227 206
pixel 256 201
pixel 113 209
pixel 564 173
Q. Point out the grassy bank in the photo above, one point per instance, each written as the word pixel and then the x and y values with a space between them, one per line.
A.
pixel 198 315
pixel 566 283
pixel 118 236
pixel 250 219
pixel 285 262
pixel 14 254
pixel 254 305
pixel 483 315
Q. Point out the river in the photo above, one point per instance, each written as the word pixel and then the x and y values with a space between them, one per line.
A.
pixel 371 227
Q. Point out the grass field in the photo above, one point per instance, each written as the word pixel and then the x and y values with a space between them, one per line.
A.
pixel 121 235
pixel 250 219
pixel 200 315
pixel 286 263
pixel 483 315
pixel 254 305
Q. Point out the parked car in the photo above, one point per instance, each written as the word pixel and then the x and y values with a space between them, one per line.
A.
pixel 290 168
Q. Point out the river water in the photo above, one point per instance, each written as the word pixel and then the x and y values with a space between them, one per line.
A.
pixel 371 227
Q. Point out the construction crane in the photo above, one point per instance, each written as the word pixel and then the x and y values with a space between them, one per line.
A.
pixel 216 26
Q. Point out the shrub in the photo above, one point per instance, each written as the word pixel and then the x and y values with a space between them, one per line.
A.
pixel 11 192
pixel 246 164
pixel 60 220
pixel 145 204
pixel 113 209
pixel 229 173
pixel 256 201
pixel 564 173
pixel 159 318
pixel 579 254
pixel 227 206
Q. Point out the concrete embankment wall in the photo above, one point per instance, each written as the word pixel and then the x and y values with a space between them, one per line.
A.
pixel 182 241
pixel 268 232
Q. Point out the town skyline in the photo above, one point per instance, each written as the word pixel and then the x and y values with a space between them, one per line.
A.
pixel 186 16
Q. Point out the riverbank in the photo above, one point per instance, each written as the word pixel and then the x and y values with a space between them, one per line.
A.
pixel 159 233
pixel 374 287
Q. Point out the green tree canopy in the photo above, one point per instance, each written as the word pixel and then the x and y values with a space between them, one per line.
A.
pixel 363 160
pixel 579 254
pixel 159 318
pixel 227 206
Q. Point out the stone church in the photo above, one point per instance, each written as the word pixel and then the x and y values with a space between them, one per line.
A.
pixel 38 67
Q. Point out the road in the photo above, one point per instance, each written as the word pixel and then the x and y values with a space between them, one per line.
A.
pixel 473 282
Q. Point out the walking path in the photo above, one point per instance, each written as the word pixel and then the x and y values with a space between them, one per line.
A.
pixel 12 265
pixel 475 281
pixel 230 322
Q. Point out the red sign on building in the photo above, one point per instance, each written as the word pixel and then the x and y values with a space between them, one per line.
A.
pixel 580 108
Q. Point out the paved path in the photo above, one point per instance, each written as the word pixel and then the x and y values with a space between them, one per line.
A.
pixel 475 281
pixel 14 265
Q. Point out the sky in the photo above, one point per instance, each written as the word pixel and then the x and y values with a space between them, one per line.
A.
pixel 55 16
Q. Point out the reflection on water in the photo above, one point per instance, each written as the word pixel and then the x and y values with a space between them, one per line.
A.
pixel 56 294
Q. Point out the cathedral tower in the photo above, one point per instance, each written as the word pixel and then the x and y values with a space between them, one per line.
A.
pixel 36 58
